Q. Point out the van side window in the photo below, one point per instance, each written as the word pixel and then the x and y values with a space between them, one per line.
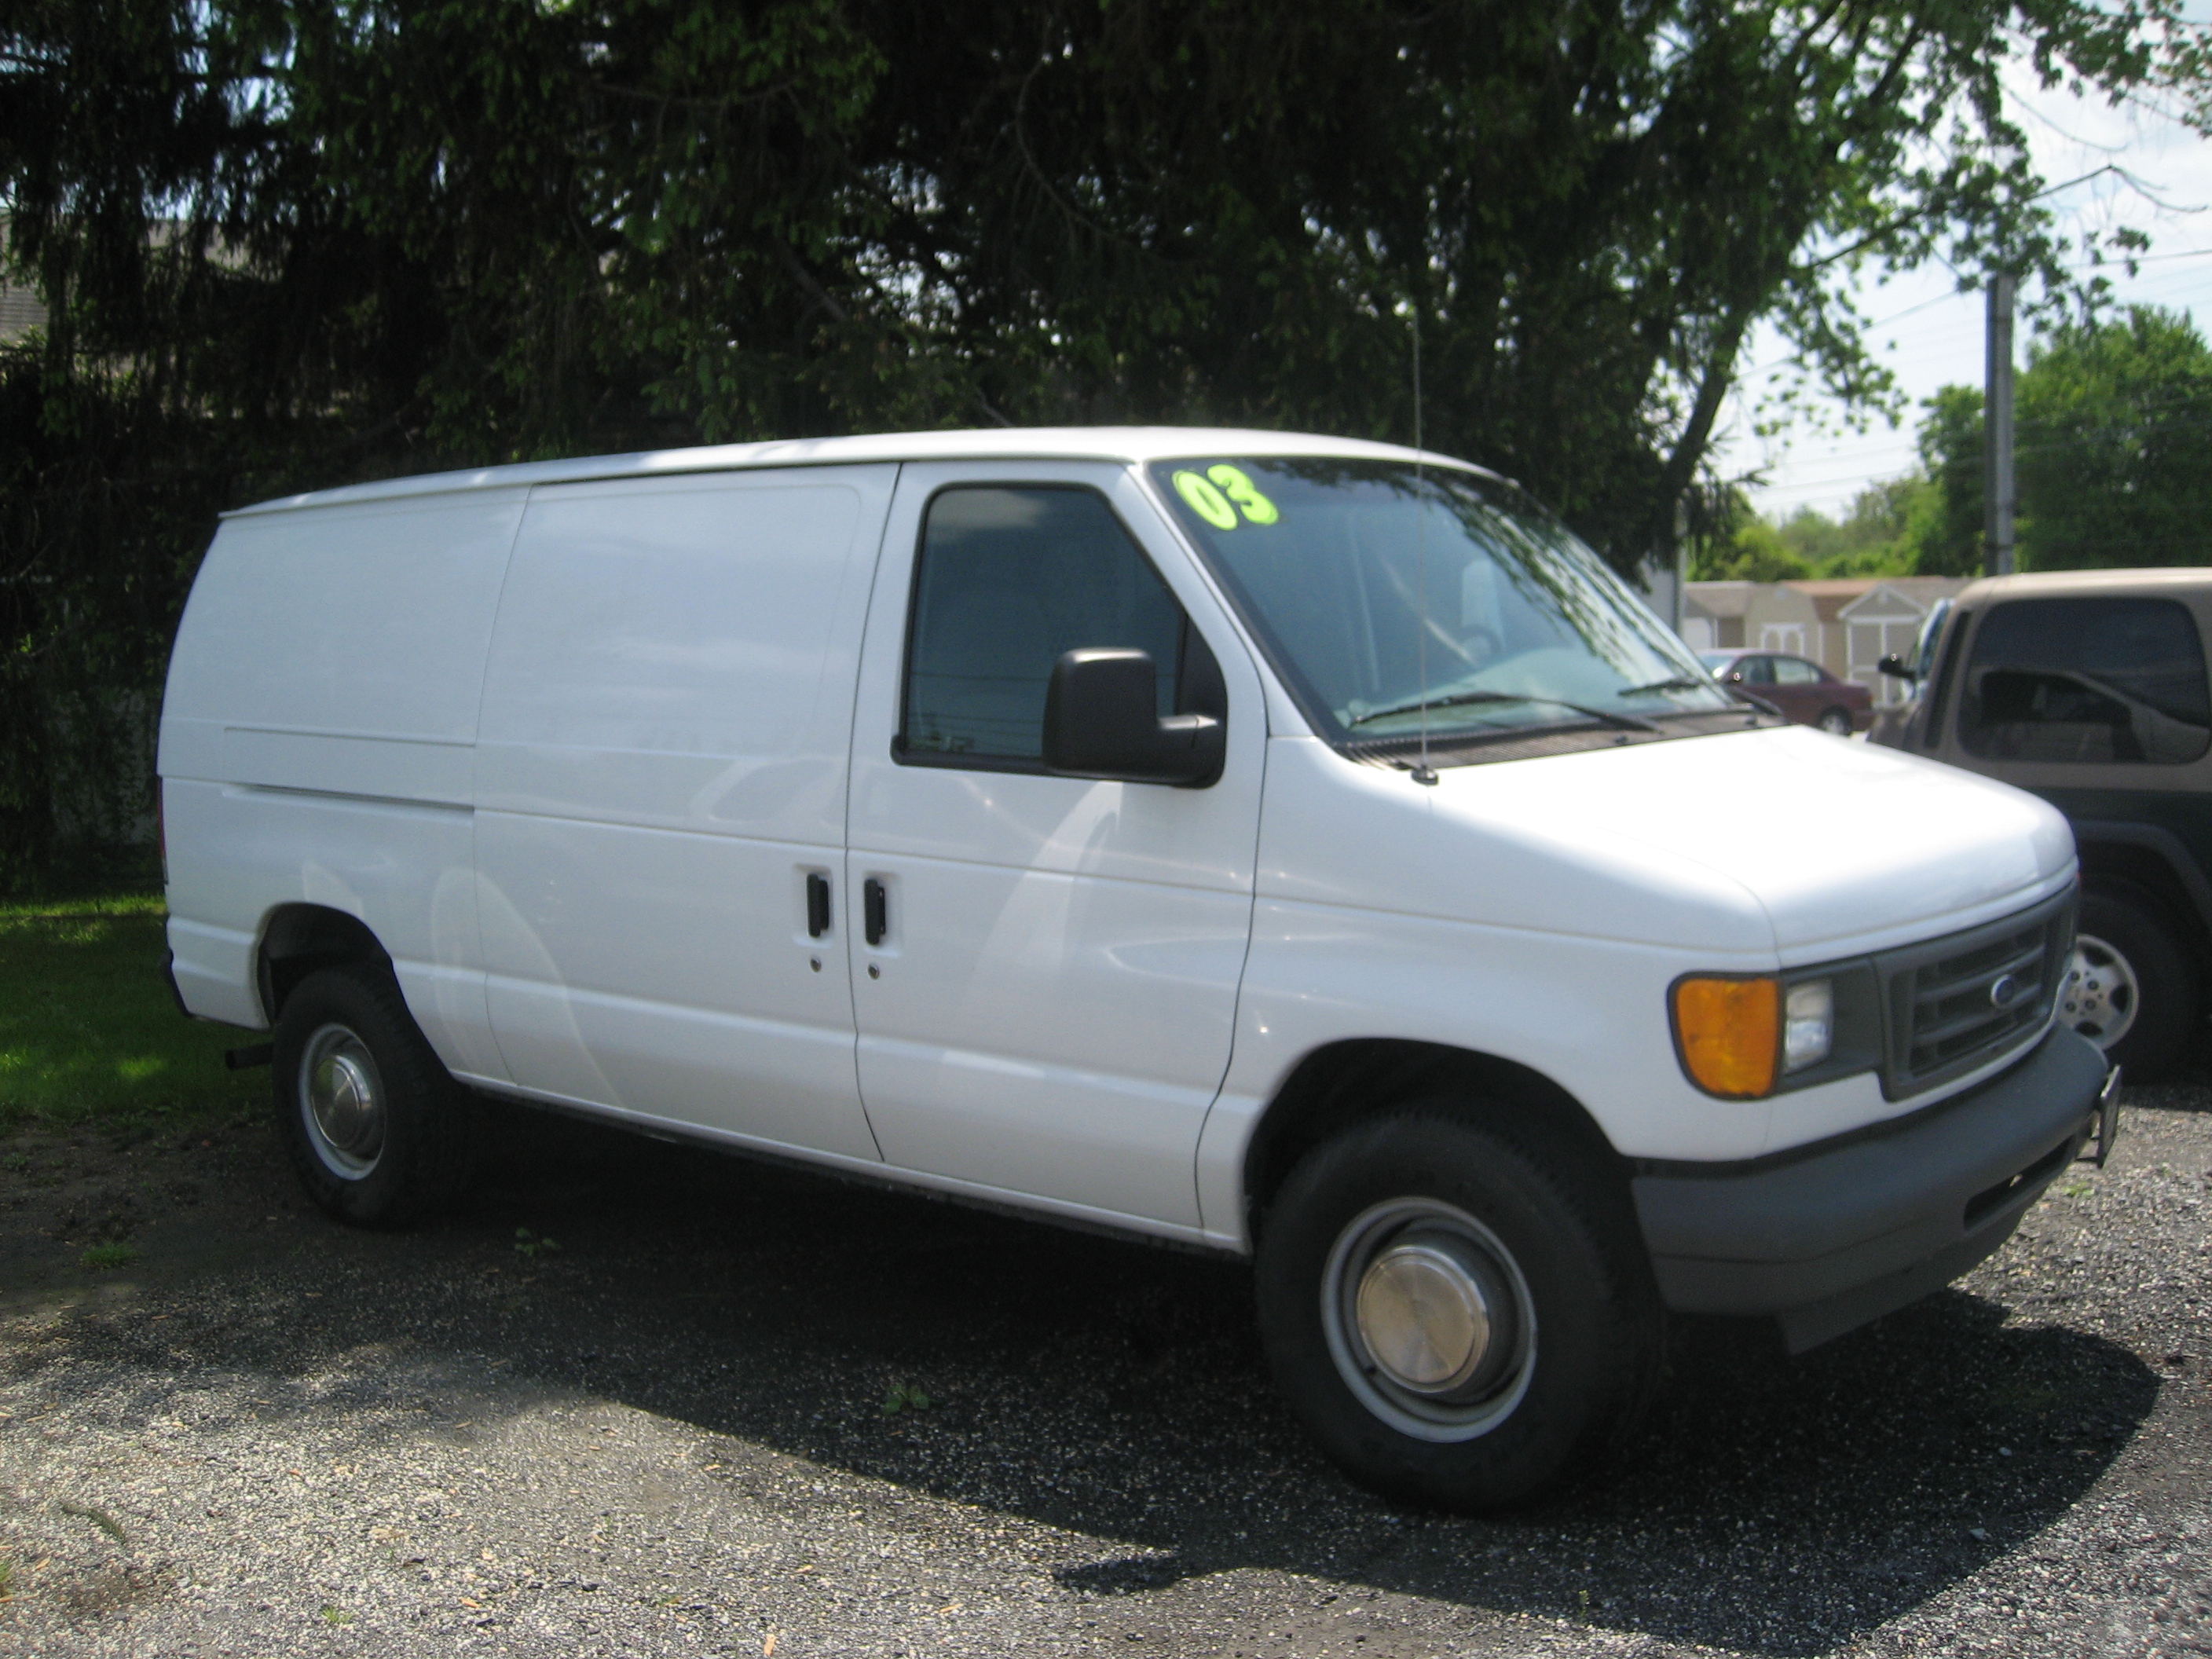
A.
pixel 1008 579
pixel 2086 679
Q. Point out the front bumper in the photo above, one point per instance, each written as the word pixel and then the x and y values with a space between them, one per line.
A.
pixel 1830 1235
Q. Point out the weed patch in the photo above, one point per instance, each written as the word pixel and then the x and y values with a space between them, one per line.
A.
pixel 904 1397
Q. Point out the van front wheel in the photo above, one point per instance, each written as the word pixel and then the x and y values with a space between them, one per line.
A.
pixel 377 1129
pixel 1444 1311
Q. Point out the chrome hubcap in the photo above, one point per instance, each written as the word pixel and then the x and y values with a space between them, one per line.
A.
pixel 1423 1317
pixel 342 1101
pixel 2099 996
pixel 1428 1319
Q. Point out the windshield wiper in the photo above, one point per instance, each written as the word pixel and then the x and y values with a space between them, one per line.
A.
pixel 1680 682
pixel 1462 699
pixel 1686 683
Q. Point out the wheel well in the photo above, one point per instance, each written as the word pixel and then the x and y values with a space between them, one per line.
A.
pixel 1340 1084
pixel 2107 862
pixel 299 939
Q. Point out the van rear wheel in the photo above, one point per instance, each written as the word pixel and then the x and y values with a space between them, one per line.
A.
pixel 1449 1317
pixel 377 1129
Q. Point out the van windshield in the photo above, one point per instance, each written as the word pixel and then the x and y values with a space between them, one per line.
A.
pixel 1377 590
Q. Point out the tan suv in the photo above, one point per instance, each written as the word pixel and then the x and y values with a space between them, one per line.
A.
pixel 2088 689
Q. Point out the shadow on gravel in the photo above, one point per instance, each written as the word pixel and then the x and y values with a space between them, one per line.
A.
pixel 1772 1506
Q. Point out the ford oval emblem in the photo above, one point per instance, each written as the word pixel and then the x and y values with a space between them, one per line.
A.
pixel 2004 992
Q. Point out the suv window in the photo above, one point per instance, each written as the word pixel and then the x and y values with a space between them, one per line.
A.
pixel 1008 578
pixel 2088 679
pixel 1792 671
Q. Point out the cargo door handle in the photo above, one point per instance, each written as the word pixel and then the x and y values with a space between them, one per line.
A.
pixel 817 904
pixel 876 911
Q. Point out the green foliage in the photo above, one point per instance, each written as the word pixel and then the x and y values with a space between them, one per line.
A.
pixel 1745 548
pixel 294 243
pixel 1873 539
pixel 2111 419
pixel 1945 528
pixel 2114 428
pixel 108 1255
pixel 904 1397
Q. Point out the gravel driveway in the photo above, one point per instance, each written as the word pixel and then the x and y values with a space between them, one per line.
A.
pixel 664 1431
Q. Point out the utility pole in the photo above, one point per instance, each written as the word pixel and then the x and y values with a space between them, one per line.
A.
pixel 1997 495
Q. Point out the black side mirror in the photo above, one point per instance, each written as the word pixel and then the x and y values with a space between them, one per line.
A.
pixel 1101 722
pixel 1896 667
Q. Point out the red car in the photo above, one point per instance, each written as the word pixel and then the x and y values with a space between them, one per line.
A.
pixel 1808 693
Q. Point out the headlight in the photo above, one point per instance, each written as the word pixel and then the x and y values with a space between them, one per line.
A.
pixel 1808 1024
pixel 1744 1036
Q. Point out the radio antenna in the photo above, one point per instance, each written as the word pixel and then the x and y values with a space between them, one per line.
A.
pixel 1424 772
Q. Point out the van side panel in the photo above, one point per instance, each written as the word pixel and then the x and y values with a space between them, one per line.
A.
pixel 667 713
pixel 341 649
pixel 317 746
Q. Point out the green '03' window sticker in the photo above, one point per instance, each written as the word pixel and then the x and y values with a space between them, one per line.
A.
pixel 1211 493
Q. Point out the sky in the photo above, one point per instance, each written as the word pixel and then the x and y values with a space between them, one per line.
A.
pixel 1931 335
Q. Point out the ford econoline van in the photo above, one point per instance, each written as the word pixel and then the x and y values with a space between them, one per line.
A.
pixel 1292 847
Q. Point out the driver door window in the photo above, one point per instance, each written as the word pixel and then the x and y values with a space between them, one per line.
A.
pixel 1007 580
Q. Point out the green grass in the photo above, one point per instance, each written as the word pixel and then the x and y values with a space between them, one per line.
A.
pixel 88 1034
pixel 109 1256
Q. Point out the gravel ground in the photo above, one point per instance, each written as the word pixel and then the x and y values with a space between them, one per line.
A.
pixel 632 1401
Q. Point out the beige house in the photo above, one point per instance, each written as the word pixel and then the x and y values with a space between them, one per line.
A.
pixel 1846 625
pixel 19 310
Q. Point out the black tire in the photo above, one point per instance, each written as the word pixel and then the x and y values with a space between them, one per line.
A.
pixel 411 1147
pixel 1573 1286
pixel 1836 722
pixel 2129 974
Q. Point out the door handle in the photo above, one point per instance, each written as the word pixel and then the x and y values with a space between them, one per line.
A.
pixel 876 912
pixel 817 904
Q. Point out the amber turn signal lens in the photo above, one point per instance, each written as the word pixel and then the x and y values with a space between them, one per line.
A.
pixel 1730 1032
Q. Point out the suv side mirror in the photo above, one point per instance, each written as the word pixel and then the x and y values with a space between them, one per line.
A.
pixel 1101 722
pixel 1896 667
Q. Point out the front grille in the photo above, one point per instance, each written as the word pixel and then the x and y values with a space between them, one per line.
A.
pixel 1959 1002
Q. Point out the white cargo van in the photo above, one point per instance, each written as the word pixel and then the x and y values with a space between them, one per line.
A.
pixel 1294 847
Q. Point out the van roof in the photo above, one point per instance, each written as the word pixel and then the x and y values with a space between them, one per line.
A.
pixel 1125 444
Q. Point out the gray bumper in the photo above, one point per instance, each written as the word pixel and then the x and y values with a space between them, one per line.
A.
pixel 1830 1235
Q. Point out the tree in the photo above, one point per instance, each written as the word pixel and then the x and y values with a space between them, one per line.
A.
pixel 310 241
pixel 2111 423
pixel 1873 539
pixel 1741 546
pixel 2115 426
pixel 497 231
pixel 1946 526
